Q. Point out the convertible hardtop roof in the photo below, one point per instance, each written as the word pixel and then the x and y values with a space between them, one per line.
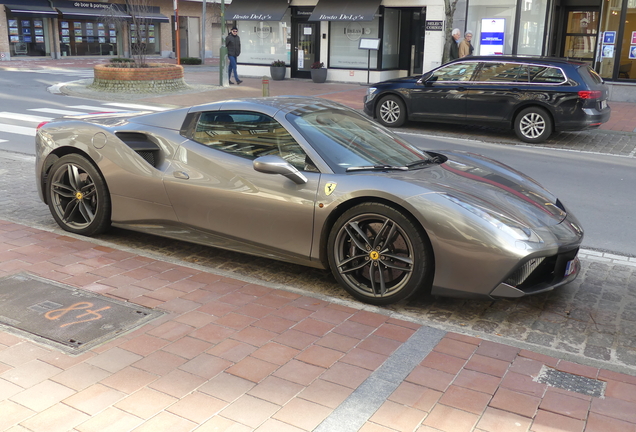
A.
pixel 525 59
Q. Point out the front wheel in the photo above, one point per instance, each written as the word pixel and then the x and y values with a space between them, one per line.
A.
pixel 78 197
pixel 533 125
pixel 379 255
pixel 391 111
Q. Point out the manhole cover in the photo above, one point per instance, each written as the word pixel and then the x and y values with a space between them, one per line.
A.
pixel 571 382
pixel 68 318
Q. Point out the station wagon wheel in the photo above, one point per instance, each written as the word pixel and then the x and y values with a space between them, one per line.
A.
pixel 78 197
pixel 391 111
pixel 379 255
pixel 533 125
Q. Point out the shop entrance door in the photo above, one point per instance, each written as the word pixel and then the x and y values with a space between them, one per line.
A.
pixel 305 47
pixel 581 28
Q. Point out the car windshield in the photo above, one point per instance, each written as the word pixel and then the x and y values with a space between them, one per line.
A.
pixel 346 140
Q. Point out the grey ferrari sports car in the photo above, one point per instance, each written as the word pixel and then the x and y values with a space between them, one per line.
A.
pixel 311 182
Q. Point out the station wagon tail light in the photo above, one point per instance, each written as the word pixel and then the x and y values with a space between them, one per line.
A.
pixel 590 94
pixel 41 124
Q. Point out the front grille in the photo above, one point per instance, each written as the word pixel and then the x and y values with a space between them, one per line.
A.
pixel 541 272
pixel 522 273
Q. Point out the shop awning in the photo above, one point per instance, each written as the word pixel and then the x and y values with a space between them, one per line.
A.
pixel 149 14
pixel 30 8
pixel 256 10
pixel 345 10
pixel 88 10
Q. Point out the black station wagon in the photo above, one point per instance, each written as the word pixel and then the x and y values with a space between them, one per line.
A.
pixel 535 96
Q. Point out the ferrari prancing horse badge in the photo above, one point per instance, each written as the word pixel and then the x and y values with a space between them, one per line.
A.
pixel 330 187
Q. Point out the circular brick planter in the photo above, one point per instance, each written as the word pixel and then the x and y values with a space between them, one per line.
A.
pixel 157 78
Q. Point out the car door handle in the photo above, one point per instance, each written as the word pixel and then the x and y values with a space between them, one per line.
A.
pixel 461 89
pixel 181 175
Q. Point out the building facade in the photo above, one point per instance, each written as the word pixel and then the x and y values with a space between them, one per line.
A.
pixel 357 40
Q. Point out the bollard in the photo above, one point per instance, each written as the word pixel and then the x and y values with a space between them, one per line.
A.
pixel 265 86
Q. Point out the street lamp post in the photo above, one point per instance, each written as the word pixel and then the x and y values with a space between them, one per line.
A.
pixel 223 50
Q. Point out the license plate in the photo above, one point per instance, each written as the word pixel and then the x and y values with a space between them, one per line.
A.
pixel 603 104
pixel 570 267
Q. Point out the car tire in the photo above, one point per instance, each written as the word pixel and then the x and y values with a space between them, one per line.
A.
pixel 533 125
pixel 391 111
pixel 78 197
pixel 375 270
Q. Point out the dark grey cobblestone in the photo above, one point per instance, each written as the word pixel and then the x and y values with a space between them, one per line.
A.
pixel 593 318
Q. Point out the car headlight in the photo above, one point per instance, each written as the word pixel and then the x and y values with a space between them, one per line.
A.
pixel 515 229
pixel 371 92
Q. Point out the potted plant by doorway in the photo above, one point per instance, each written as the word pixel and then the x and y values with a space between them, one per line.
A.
pixel 277 70
pixel 318 72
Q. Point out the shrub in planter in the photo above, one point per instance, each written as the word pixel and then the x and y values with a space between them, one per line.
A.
pixel 277 70
pixel 318 72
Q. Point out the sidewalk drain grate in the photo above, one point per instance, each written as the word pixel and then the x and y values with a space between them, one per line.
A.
pixel 67 318
pixel 571 382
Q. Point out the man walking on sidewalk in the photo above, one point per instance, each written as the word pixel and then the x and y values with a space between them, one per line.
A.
pixel 233 44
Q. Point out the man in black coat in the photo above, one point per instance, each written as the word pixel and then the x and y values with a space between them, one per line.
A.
pixel 454 46
pixel 233 44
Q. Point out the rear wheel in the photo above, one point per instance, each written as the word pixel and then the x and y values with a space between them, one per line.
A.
pixel 391 111
pixel 533 125
pixel 379 255
pixel 78 197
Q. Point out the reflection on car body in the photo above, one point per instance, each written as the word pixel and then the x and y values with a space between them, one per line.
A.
pixel 311 182
pixel 533 96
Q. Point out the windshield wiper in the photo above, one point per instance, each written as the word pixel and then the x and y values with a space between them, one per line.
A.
pixel 378 168
pixel 433 160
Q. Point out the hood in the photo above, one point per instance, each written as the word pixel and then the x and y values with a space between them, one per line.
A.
pixel 483 182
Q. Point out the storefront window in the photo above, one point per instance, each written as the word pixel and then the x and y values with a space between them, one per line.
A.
pixel 503 12
pixel 262 42
pixel 610 21
pixel 27 36
pixel 145 40
pixel 531 27
pixel 627 57
pixel 84 37
pixel 344 42
pixel 391 39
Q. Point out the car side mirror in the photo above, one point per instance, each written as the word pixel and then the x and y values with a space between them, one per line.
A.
pixel 277 165
pixel 430 80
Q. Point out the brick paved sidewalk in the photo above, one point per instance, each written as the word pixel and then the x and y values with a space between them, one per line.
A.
pixel 230 355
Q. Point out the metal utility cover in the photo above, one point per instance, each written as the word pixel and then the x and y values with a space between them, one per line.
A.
pixel 571 382
pixel 65 317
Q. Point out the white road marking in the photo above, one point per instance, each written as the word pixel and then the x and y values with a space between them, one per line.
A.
pixel 20 130
pixel 137 107
pixel 57 111
pixel 24 117
pixel 94 108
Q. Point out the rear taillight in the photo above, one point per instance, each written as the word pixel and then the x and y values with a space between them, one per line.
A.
pixel 590 94
pixel 41 124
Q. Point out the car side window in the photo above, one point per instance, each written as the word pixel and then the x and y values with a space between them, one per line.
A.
pixel 455 72
pixel 250 135
pixel 500 72
pixel 545 74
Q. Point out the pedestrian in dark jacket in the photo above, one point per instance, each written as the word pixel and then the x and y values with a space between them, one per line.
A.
pixel 454 45
pixel 233 44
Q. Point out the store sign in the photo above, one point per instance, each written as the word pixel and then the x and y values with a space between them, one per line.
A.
pixel 252 17
pixel 491 41
pixel 354 31
pixel 91 5
pixel 262 31
pixel 434 26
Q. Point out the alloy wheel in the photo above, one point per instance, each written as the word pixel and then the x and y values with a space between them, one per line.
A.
pixel 74 196
pixel 532 125
pixel 374 255
pixel 390 111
